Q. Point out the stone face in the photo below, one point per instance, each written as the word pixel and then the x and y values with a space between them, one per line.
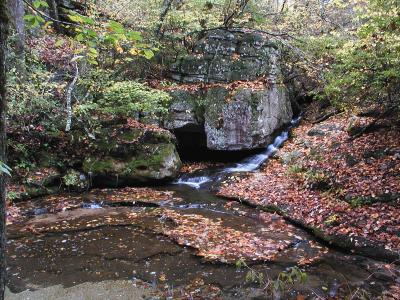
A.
pixel 183 112
pixel 241 119
pixel 248 121
pixel 237 117
pixel 224 56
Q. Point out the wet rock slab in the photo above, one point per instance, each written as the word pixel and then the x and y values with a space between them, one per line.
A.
pixel 98 254
pixel 96 198
pixel 216 236
pixel 225 239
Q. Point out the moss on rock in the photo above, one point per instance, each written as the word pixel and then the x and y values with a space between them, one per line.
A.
pixel 98 165
pixel 149 162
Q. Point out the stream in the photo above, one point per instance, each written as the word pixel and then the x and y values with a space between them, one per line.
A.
pixel 104 236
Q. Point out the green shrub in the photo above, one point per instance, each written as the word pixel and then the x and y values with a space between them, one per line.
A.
pixel 287 278
pixel 73 180
pixel 366 67
pixel 318 179
pixel 33 102
pixel 332 220
pixel 130 99
pixel 296 169
pixel 24 158
pixel 127 97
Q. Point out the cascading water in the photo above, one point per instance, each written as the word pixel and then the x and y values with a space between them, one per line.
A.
pixel 195 182
pixel 254 162
pixel 247 165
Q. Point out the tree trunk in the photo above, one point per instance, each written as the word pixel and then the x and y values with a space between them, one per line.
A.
pixel 3 38
pixel 17 12
pixel 70 89
pixel 164 11
pixel 53 10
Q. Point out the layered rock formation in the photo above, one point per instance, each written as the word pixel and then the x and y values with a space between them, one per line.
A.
pixel 226 56
pixel 233 114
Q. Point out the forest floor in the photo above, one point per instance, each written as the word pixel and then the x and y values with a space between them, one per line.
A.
pixel 346 191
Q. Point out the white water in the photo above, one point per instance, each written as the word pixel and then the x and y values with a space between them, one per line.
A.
pixel 195 182
pixel 254 162
pixel 249 164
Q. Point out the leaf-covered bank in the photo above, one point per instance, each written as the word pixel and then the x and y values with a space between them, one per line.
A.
pixel 346 191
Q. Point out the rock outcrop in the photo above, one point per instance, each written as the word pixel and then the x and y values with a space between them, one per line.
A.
pixel 240 103
pixel 123 154
pixel 131 156
pixel 226 56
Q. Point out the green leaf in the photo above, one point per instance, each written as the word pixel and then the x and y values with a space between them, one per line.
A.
pixel 134 36
pixel 79 37
pixel 33 21
pixel 75 18
pixel 116 27
pixel 148 54
pixel 40 19
pixel 88 20
pixel 111 39
pixel 76 58
pixel 91 44
pixel 40 3
pixel 59 43
pixel 93 51
pixel 91 33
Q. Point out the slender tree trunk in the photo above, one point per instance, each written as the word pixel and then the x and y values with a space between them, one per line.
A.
pixel 3 38
pixel 69 97
pixel 53 10
pixel 164 11
pixel 17 12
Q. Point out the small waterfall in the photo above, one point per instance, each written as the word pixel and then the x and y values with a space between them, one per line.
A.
pixel 195 182
pixel 254 162
pixel 249 164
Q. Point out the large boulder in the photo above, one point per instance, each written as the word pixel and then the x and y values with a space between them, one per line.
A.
pixel 241 102
pixel 240 119
pixel 132 156
pixel 249 120
pixel 122 153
